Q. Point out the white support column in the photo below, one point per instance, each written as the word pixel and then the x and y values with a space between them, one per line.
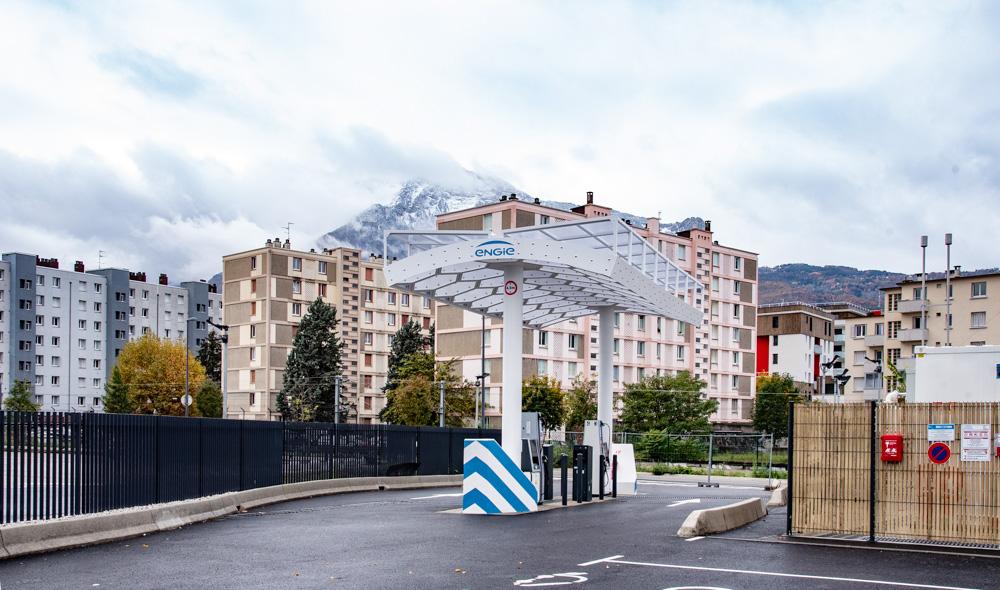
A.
pixel 513 322
pixel 605 364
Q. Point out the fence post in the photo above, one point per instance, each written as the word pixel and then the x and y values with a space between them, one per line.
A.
pixel 874 444
pixel 790 466
pixel 243 446
pixel 201 458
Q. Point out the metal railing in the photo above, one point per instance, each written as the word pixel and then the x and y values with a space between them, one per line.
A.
pixel 62 464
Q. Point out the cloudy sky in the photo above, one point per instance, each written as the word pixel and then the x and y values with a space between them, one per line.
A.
pixel 168 134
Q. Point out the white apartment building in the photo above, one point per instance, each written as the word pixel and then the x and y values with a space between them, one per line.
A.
pixel 797 339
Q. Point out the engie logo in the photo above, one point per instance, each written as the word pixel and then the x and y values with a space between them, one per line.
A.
pixel 494 248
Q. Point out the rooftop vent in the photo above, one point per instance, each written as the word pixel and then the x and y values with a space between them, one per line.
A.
pixel 163 279
pixel 590 197
pixel 78 266
pixel 538 201
pixel 708 225
pixel 503 197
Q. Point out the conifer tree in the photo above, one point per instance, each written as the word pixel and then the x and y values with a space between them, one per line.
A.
pixel 313 366
pixel 116 395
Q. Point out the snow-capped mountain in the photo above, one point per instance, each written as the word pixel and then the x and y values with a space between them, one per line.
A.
pixel 418 202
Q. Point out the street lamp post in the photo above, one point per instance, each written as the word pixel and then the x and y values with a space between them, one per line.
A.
pixel 923 289
pixel 187 366
pixel 225 345
pixel 947 290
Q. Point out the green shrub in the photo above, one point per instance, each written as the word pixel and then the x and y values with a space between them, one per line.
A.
pixel 661 447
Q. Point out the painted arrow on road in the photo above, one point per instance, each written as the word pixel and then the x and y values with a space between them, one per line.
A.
pixel 679 502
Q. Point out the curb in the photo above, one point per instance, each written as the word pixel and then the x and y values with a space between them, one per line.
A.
pixel 723 518
pixel 90 529
pixel 779 497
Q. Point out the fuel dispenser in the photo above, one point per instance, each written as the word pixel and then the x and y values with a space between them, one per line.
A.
pixel 597 435
pixel 532 454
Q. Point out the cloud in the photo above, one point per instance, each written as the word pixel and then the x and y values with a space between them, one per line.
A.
pixel 825 133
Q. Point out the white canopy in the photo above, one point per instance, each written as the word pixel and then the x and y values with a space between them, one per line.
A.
pixel 571 269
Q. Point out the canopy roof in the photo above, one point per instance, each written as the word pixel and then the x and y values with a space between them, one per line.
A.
pixel 571 269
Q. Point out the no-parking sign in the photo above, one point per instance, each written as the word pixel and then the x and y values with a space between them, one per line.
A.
pixel 510 287
pixel 939 453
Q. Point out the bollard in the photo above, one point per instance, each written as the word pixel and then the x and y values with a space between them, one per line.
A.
pixel 547 469
pixel 564 483
pixel 578 479
pixel 600 478
pixel 614 476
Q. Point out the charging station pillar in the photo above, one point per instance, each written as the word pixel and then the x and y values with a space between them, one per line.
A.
pixel 605 366
pixel 513 322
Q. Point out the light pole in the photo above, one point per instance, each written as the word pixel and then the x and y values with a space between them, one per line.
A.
pixel 185 401
pixel 441 404
pixel 947 290
pixel 923 289
pixel 336 399
pixel 225 343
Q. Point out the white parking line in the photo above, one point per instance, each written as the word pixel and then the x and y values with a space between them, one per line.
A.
pixel 671 484
pixel 458 495
pixel 617 559
pixel 693 539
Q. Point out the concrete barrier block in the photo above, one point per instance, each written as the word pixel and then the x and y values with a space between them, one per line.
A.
pixel 3 548
pixel 723 518
pixel 779 497
pixel 178 514
pixel 37 537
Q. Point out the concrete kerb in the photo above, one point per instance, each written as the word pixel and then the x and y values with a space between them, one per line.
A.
pixel 779 497
pixel 90 529
pixel 723 518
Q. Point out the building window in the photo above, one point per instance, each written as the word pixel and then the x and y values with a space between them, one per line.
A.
pixel 680 353
pixel 681 252
pixel 615 346
pixel 322 267
pixel 680 327
pixel 145 295
pixel 488 222
pixel 544 220
pixel 736 287
pixel 774 359
pixel 296 287
pixel 736 359
pixel 253 263
pixel 369 295
pixel 715 309
pixel 618 319
pixel 737 263
pixel 369 274
pixel 369 317
pixel 979 289
pixel 296 263
pixel 369 360
pixel 253 331
pixel 404 299
pixel 390 298
pixel 979 319
pixel 715 259
pixel 860 330
pixel 640 348
pixel 774 341
pixel 642 323
pixel 572 341
pixel 253 353
pixel 296 309
pixel 390 319
pixel 543 338
pixel 859 357
pixel 616 374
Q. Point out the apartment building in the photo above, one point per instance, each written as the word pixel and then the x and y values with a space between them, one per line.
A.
pixel 61 330
pixel 795 338
pixel 842 311
pixel 893 333
pixel 720 351
pixel 267 290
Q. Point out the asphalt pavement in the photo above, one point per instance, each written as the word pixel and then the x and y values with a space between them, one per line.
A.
pixel 403 539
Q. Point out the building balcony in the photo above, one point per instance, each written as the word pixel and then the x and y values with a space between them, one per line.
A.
pixel 911 306
pixel 912 335
pixel 875 340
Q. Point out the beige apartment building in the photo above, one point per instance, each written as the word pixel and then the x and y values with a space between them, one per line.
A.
pixel 266 293
pixel 892 334
pixel 720 351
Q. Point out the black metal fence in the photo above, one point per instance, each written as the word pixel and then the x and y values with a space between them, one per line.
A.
pixel 60 464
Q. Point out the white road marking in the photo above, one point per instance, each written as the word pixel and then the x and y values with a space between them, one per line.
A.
pixel 691 501
pixel 692 485
pixel 615 559
pixel 459 495
pixel 565 579
pixel 694 538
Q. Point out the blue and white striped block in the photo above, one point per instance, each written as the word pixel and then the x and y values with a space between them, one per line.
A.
pixel 492 483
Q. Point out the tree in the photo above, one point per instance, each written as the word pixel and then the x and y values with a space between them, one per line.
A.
pixel 19 398
pixel 153 370
pixel 899 376
pixel 770 408
pixel 544 395
pixel 670 403
pixel 209 400
pixel 309 390
pixel 581 404
pixel 415 401
pixel 406 342
pixel 210 356
pixel 117 399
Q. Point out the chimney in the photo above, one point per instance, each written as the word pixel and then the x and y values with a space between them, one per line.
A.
pixel 78 266
pixel 708 225
pixel 503 197
pixel 47 262
pixel 163 279
pixel 958 270
pixel 653 224
pixel 268 243
pixel 288 244
pixel 590 197
pixel 513 196
pixel 538 201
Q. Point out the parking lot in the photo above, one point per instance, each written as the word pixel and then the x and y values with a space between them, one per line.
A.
pixel 404 539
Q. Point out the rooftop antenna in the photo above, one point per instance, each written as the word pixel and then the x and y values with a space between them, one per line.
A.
pixel 100 258
pixel 288 230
